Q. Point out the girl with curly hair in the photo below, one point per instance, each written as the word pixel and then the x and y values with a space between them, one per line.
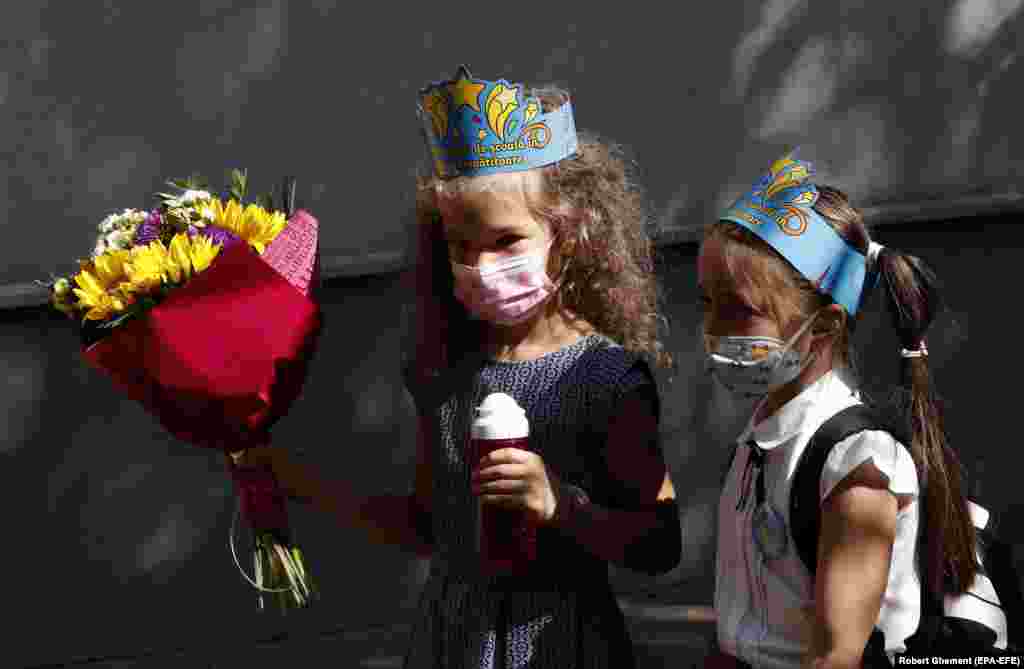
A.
pixel 534 278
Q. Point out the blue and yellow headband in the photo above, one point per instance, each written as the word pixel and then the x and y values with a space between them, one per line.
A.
pixel 475 127
pixel 780 210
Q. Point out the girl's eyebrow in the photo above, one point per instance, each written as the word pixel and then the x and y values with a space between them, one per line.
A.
pixel 507 230
pixel 499 231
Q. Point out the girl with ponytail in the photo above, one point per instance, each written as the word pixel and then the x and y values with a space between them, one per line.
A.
pixel 783 275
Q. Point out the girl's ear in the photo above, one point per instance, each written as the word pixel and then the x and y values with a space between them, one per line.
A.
pixel 831 321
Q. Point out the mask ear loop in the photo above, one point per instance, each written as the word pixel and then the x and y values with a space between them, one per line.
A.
pixel 802 330
pixel 557 283
pixel 796 337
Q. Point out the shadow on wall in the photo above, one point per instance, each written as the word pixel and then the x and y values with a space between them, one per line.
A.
pixel 893 102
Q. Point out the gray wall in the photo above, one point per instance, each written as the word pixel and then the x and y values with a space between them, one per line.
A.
pixel 99 102
pixel 118 544
pixel 117 534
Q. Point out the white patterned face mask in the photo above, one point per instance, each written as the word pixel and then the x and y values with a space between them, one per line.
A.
pixel 753 366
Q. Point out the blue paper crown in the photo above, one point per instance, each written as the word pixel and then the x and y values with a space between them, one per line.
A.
pixel 780 210
pixel 475 127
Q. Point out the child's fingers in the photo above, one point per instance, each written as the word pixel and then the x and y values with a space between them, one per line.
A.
pixel 513 501
pixel 494 472
pixel 505 456
pixel 502 487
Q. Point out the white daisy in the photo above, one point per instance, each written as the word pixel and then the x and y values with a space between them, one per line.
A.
pixel 190 196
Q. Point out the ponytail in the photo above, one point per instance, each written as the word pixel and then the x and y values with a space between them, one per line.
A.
pixel 947 546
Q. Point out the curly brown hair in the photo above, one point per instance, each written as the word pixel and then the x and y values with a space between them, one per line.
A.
pixel 595 208
pixel 913 300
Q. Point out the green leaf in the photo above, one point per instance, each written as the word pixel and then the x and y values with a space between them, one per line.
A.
pixel 266 200
pixel 114 322
pixel 239 184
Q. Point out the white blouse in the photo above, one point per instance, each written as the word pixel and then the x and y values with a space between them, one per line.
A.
pixel 765 607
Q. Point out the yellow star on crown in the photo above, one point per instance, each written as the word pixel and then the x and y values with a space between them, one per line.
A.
pixel 465 92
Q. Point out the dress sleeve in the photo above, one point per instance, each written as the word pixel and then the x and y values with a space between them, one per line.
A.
pixel 634 464
pixel 890 457
pixel 637 469
pixel 638 375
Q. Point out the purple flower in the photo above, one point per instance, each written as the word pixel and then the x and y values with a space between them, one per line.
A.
pixel 149 230
pixel 225 238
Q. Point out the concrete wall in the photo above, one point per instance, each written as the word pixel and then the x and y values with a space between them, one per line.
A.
pixel 898 101
pixel 117 535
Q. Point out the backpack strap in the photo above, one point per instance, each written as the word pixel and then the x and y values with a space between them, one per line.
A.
pixel 804 496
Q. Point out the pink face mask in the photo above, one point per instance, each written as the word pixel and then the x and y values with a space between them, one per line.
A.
pixel 506 292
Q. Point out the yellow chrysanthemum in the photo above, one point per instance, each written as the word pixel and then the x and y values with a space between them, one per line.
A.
pixel 148 268
pixel 179 262
pixel 153 264
pixel 257 226
pixel 202 252
pixel 226 215
pixel 99 285
pixel 109 267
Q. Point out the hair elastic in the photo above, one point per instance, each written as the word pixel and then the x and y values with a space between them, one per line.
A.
pixel 874 250
pixel 922 350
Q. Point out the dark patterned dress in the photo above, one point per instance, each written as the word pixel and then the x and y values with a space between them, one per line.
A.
pixel 563 614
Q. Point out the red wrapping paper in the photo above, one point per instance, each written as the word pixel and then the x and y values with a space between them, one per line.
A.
pixel 224 356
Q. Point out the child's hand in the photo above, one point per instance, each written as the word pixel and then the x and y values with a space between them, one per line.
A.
pixel 270 457
pixel 511 478
pixel 260 456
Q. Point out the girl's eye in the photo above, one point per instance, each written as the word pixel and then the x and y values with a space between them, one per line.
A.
pixel 738 310
pixel 508 240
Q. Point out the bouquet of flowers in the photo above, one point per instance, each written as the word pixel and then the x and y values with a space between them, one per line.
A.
pixel 202 310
